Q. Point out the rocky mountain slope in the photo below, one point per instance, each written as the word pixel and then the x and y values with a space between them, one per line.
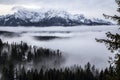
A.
pixel 26 17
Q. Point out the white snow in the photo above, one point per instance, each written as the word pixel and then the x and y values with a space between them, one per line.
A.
pixel 40 14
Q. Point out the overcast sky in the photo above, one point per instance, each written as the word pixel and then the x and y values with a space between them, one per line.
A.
pixel 87 7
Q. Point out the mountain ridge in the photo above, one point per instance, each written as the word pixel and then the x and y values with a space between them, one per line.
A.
pixel 50 17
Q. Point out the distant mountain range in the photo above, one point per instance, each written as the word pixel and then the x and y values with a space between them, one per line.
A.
pixel 27 17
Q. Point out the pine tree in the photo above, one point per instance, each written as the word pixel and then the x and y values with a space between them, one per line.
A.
pixel 113 43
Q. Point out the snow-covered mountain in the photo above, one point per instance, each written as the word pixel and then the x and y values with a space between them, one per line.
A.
pixel 50 17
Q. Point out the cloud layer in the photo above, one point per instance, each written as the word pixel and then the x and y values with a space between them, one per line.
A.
pixel 89 7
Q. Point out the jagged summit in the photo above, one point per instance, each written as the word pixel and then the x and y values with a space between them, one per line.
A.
pixel 46 17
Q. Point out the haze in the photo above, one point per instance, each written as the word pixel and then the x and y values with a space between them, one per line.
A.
pixel 92 8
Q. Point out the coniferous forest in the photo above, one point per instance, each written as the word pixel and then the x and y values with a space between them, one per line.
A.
pixel 20 61
pixel 14 55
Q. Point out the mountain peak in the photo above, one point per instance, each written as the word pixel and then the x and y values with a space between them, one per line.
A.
pixel 47 17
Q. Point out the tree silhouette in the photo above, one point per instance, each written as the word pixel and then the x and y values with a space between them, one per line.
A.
pixel 113 43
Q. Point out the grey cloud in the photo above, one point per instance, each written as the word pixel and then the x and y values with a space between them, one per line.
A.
pixel 85 6
pixel 56 1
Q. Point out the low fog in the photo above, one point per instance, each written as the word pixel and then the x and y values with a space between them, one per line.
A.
pixel 77 43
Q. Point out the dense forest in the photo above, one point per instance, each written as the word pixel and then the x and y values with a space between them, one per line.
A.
pixel 14 57
pixel 21 54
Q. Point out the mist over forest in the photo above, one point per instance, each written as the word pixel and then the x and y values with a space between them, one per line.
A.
pixel 59 40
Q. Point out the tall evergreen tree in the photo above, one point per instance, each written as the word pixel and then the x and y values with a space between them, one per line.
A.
pixel 113 43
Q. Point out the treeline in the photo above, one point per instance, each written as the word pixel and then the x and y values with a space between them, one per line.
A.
pixel 13 54
pixel 20 54
pixel 76 73
pixel 24 52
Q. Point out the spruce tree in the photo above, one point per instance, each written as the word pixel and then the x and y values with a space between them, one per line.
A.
pixel 113 43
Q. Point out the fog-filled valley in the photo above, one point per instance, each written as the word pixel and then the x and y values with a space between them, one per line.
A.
pixel 59 40
pixel 77 44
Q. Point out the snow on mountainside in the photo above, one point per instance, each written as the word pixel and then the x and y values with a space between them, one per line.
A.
pixel 49 17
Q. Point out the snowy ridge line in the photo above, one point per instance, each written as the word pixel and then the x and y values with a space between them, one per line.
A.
pixel 50 17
